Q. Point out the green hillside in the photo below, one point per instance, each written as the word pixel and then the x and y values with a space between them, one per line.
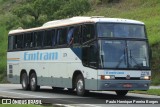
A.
pixel 147 11
pixel 3 44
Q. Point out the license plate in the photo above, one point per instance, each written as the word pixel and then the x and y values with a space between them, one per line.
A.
pixel 127 85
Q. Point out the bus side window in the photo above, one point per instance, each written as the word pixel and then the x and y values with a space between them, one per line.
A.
pixel 48 38
pixel 62 36
pixel 85 52
pixel 89 55
pixel 77 34
pixel 58 35
pixel 88 32
pixel 10 43
pixel 93 55
pixel 70 35
pixel 18 42
pixel 38 36
pixel 28 40
pixel 74 34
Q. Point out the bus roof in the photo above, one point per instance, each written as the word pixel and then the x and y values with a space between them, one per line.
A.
pixel 76 20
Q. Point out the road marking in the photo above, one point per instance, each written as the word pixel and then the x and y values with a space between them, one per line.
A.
pixel 92 105
pixel 25 94
pixel 76 105
pixel 6 96
pixel 64 105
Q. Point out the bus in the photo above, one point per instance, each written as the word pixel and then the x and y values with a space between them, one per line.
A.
pixel 82 54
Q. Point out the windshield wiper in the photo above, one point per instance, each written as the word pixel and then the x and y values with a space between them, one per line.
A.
pixel 134 60
pixel 123 57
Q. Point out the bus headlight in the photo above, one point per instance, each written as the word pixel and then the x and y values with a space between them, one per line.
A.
pixel 107 77
pixel 145 77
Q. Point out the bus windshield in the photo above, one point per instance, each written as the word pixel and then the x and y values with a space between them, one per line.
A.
pixel 120 30
pixel 123 54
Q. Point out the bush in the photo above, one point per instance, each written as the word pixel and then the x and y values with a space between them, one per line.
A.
pixel 100 2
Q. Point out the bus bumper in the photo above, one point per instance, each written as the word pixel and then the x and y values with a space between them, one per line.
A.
pixel 123 84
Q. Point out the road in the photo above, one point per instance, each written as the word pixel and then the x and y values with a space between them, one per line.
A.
pixel 64 97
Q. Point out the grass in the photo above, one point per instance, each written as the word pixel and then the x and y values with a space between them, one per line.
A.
pixel 150 92
pixel 3 49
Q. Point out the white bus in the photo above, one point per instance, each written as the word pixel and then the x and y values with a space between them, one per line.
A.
pixel 81 53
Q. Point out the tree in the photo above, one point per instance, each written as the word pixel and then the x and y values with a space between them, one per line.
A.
pixel 35 13
pixel 29 12
pixel 100 2
pixel 72 8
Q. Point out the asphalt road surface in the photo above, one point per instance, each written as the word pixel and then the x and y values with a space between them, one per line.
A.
pixel 70 99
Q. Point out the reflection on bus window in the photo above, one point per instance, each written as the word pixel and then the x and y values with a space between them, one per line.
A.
pixel 121 30
pixel 88 32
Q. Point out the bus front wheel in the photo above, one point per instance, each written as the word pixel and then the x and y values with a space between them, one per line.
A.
pixel 33 82
pixel 80 85
pixel 24 81
pixel 121 92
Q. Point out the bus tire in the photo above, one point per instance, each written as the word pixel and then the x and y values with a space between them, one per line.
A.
pixel 24 81
pixel 121 92
pixel 80 85
pixel 33 82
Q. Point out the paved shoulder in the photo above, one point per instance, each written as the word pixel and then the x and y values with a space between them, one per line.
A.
pixel 154 87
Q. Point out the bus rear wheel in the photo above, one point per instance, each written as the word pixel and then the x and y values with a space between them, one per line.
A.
pixel 33 82
pixel 24 81
pixel 121 92
pixel 80 85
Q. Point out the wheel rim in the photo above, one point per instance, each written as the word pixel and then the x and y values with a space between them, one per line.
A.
pixel 80 85
pixel 33 81
pixel 24 82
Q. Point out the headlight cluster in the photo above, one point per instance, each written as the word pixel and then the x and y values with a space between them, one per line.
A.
pixel 107 77
pixel 145 77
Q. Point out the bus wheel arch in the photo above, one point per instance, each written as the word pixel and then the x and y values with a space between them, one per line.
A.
pixel 75 74
pixel 33 80
pixel 79 83
pixel 24 80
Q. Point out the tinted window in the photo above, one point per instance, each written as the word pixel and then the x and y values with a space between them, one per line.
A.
pixel 70 35
pixel 85 55
pixel 123 54
pixel 18 42
pixel 93 55
pixel 112 54
pixel 49 38
pixel 77 34
pixel 10 42
pixel 88 32
pixel 38 36
pixel 121 30
pixel 89 55
pixel 138 54
pixel 62 36
pixel 74 34
pixel 28 40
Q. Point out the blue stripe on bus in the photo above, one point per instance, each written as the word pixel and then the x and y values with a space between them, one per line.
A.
pixel 78 52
